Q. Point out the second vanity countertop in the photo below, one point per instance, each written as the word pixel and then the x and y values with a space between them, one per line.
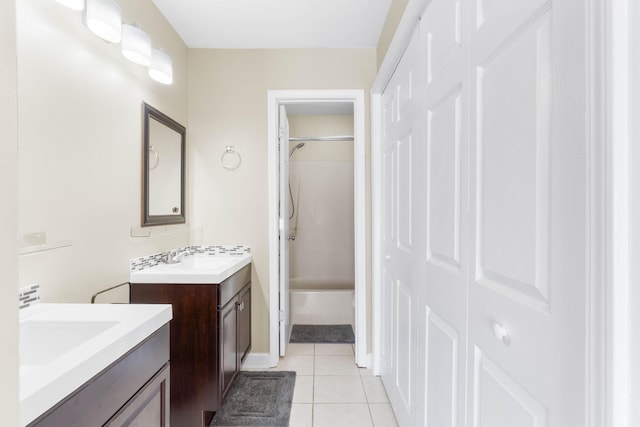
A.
pixel 197 268
pixel 62 346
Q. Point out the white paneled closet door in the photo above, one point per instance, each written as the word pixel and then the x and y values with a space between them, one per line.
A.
pixel 401 216
pixel 484 217
pixel 425 199
pixel 443 310
pixel 527 295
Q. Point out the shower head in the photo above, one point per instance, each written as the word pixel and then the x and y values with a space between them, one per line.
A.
pixel 295 148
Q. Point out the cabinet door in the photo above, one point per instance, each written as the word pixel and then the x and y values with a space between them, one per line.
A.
pixel 147 408
pixel 244 322
pixel 228 343
pixel 194 353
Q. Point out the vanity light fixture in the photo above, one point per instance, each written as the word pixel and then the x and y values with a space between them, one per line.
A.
pixel 161 68
pixel 136 45
pixel 104 18
pixel 72 4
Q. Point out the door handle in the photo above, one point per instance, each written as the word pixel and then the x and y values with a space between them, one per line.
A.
pixel 501 333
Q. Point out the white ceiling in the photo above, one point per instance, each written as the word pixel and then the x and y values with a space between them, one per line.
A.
pixel 275 24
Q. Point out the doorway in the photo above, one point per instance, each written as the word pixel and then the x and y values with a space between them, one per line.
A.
pixel 315 101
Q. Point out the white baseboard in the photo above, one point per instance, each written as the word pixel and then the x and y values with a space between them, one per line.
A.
pixel 365 361
pixel 370 360
pixel 261 361
pixel 256 361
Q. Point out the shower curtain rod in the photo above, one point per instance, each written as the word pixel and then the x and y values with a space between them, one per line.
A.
pixel 320 138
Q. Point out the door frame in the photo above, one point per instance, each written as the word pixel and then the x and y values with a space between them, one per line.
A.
pixel 621 209
pixel 274 99
pixel 603 158
pixel 284 228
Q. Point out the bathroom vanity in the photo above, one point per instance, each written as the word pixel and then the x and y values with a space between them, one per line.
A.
pixel 132 391
pixel 84 365
pixel 210 330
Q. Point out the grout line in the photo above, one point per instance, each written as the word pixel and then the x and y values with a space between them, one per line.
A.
pixel 313 383
pixel 313 387
pixel 370 414
pixel 366 396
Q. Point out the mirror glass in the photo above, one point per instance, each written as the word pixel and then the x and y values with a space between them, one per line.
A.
pixel 163 163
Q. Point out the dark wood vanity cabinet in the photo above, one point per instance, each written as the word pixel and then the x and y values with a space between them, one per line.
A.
pixel 149 407
pixel 244 322
pixel 235 335
pixel 210 337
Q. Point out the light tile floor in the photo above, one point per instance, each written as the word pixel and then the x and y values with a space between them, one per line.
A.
pixel 331 391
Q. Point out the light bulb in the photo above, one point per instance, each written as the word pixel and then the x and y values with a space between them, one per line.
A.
pixel 161 68
pixel 72 4
pixel 104 18
pixel 136 45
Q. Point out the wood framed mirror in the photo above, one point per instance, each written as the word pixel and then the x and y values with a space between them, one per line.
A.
pixel 163 168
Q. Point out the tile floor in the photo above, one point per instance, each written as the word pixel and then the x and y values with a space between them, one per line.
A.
pixel 331 391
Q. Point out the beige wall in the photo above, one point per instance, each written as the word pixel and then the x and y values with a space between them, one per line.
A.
pixel 8 218
pixel 79 124
pixel 390 26
pixel 228 106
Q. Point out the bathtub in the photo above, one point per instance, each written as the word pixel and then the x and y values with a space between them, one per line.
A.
pixel 322 302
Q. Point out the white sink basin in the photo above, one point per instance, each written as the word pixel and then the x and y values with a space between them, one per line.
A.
pixel 192 269
pixel 42 341
pixel 62 346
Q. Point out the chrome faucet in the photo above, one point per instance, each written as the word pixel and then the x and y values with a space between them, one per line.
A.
pixel 174 257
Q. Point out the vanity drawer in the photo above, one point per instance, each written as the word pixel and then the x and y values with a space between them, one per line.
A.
pixel 230 287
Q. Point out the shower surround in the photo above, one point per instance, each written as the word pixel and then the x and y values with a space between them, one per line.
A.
pixel 322 254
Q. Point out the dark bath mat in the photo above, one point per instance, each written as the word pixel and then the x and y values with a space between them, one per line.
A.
pixel 329 334
pixel 258 399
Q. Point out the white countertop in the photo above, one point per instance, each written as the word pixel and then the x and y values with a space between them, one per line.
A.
pixel 73 343
pixel 196 269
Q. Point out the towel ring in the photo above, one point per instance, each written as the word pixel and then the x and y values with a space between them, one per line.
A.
pixel 153 164
pixel 232 163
